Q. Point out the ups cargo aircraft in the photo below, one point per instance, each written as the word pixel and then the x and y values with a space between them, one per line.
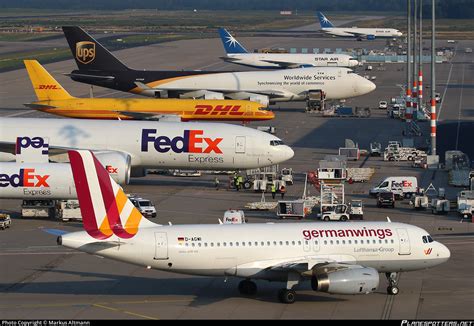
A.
pixel 54 99
pixel 97 66
pixel 134 146
pixel 357 32
pixel 340 257
pixel 236 53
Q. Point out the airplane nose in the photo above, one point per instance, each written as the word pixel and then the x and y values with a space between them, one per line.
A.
pixel 353 63
pixel 364 86
pixel 444 252
pixel 286 153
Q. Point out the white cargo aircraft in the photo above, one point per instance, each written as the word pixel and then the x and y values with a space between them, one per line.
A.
pixel 358 32
pixel 340 257
pixel 97 66
pixel 133 146
pixel 236 53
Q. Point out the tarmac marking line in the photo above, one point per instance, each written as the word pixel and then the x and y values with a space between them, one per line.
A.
pixel 460 109
pixel 123 311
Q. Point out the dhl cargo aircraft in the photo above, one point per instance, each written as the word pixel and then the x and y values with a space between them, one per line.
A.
pixel 54 99
pixel 339 258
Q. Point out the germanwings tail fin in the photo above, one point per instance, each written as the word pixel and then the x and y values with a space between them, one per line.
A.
pixel 105 208
pixel 45 86
pixel 323 21
pixel 231 45
pixel 90 54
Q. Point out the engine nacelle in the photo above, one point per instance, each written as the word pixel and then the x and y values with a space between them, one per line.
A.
pixel 347 281
pixel 371 37
pixel 117 164
pixel 262 99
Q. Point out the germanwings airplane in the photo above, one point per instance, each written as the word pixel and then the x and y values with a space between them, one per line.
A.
pixel 236 53
pixel 359 33
pixel 97 66
pixel 339 257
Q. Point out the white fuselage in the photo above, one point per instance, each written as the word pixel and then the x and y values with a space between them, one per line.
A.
pixel 282 85
pixel 36 181
pixel 361 32
pixel 290 60
pixel 154 144
pixel 251 250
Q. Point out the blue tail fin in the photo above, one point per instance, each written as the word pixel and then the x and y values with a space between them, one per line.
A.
pixel 231 45
pixel 323 21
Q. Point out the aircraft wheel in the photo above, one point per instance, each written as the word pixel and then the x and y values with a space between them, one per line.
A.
pixel 286 296
pixel 393 290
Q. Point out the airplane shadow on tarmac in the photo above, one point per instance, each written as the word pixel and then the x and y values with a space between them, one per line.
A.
pixel 206 290
pixel 447 137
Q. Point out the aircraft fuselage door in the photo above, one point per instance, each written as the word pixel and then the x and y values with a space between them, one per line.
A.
pixel 404 242
pixel 240 144
pixel 161 246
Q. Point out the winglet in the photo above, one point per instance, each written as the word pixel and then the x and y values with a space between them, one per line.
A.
pixel 231 45
pixel 323 21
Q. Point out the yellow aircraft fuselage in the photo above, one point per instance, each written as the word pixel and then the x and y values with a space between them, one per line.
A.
pixel 187 109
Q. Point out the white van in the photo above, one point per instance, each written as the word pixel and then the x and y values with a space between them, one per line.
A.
pixel 400 186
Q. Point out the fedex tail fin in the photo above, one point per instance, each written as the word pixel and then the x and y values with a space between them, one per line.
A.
pixel 45 86
pixel 323 21
pixel 90 54
pixel 105 208
pixel 231 45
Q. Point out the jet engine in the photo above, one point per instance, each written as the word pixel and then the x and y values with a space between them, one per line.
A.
pixel 359 280
pixel 118 165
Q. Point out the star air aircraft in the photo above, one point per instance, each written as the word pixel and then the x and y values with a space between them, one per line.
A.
pixel 97 66
pixel 339 258
pixel 236 53
pixel 54 99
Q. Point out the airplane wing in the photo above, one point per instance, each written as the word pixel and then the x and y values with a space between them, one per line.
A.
pixel 150 116
pixel 39 106
pixel 270 93
pixel 10 147
pixel 283 64
pixel 88 77
pixel 305 266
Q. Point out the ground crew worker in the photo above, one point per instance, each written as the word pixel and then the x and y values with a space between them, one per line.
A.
pixel 216 183
pixel 237 184
pixel 241 180
pixel 274 189
pixel 282 191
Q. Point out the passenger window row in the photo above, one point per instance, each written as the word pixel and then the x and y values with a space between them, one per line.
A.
pixel 288 243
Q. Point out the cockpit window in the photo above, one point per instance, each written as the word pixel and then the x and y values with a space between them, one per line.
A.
pixel 350 72
pixel 427 239
pixel 276 142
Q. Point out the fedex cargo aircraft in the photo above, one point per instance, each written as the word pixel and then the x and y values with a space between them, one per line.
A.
pixel 97 66
pixel 137 145
pixel 340 257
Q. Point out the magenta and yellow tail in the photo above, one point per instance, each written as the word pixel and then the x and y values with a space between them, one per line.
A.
pixel 105 208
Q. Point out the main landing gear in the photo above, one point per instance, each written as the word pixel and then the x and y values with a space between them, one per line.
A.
pixel 288 295
pixel 392 289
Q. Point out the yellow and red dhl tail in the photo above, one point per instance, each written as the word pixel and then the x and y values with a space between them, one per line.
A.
pixel 105 208
pixel 45 86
